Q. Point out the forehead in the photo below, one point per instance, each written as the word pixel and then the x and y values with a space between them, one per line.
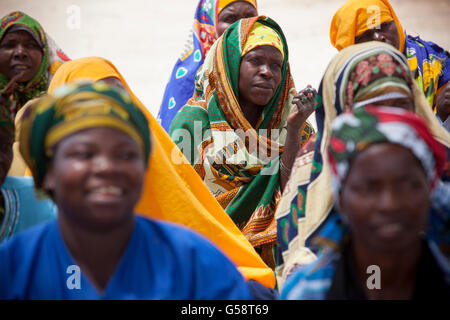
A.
pixel 265 50
pixel 98 136
pixel 18 34
pixel 384 160
pixel 238 6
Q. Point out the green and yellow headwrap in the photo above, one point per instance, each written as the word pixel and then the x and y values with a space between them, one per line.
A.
pixel 20 21
pixel 72 108
pixel 262 35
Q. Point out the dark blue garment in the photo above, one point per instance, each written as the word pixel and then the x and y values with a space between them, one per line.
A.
pixel 161 261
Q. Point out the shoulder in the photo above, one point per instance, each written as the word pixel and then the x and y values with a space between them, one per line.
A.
pixel 175 234
pixel 12 182
pixel 313 280
pixel 413 44
pixel 200 259
pixel 25 242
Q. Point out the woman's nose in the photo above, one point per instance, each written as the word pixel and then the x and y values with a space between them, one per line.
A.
pixel 103 164
pixel 265 70
pixel 20 52
pixel 378 36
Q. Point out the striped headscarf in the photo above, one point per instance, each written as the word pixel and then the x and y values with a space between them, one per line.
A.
pixel 52 58
pixel 72 108
pixel 355 131
pixel 244 180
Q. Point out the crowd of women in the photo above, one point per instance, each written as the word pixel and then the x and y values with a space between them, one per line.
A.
pixel 231 193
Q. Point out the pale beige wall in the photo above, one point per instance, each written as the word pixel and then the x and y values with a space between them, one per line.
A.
pixel 143 38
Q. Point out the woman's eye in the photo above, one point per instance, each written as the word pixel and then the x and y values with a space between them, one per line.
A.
pixel 33 46
pixel 276 66
pixel 129 155
pixel 82 155
pixel 8 45
pixel 230 19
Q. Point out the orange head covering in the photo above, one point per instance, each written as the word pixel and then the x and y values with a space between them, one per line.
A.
pixel 221 4
pixel 172 189
pixel 357 16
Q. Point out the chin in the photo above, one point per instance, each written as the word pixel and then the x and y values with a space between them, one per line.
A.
pixel 107 219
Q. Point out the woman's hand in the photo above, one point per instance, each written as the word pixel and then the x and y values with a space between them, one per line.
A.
pixel 8 90
pixel 304 103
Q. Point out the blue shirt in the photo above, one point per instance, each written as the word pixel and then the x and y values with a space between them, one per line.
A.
pixel 161 261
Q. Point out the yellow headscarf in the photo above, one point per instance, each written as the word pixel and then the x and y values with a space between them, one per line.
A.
pixel 357 16
pixel 221 4
pixel 174 192
pixel 261 35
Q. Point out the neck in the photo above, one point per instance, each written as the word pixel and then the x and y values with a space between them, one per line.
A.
pixel 252 112
pixel 397 270
pixel 97 253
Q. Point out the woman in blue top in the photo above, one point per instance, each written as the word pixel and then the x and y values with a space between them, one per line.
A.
pixel 19 206
pixel 87 147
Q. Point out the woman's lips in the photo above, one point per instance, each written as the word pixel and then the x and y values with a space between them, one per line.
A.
pixel 390 230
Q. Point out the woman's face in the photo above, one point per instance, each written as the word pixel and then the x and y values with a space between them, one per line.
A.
pixel 386 32
pixel 6 153
pixel 234 12
pixel 385 198
pixel 260 75
pixel 96 178
pixel 19 53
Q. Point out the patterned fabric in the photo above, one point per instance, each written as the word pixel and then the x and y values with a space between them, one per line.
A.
pixel 261 35
pixel 352 133
pixel 180 87
pixel 357 16
pixel 307 199
pixel 238 163
pixel 52 58
pixel 72 108
pixel 429 63
pixel 173 191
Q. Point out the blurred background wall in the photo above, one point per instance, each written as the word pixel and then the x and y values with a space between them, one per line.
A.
pixel 144 38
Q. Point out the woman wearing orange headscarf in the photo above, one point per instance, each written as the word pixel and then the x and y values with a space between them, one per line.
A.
pixel 360 21
pixel 172 189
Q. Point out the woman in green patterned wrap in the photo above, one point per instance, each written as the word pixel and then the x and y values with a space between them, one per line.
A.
pixel 28 60
pixel 244 113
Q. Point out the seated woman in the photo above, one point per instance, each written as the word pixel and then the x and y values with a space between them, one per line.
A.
pixel 371 73
pixel 172 190
pixel 19 206
pixel 359 21
pixel 28 60
pixel 234 128
pixel 211 19
pixel 376 247
pixel 88 146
